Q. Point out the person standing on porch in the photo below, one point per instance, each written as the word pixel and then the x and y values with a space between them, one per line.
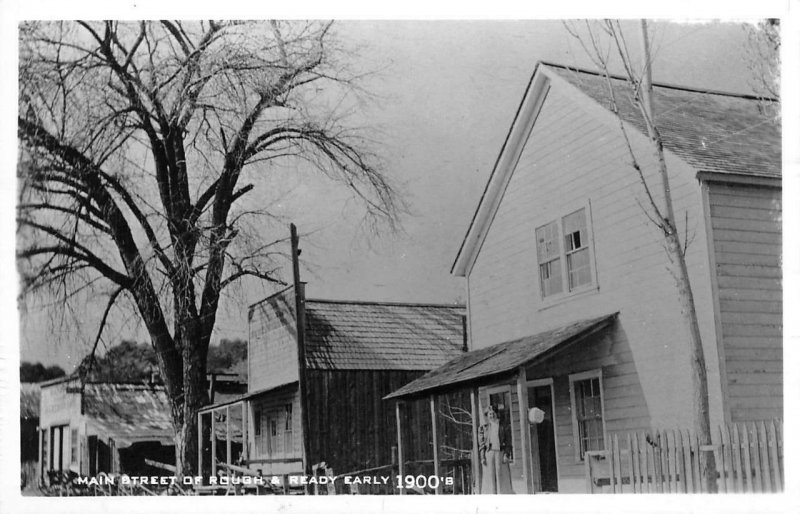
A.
pixel 494 447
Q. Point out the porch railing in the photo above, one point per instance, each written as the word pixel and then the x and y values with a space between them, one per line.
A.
pixel 748 456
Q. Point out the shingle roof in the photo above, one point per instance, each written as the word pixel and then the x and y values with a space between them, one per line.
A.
pixel 381 336
pixel 129 413
pixel 29 397
pixel 713 131
pixel 502 358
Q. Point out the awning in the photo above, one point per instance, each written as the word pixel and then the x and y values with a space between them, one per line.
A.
pixel 232 400
pixel 502 358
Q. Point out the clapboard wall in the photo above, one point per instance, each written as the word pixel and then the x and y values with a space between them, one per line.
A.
pixel 746 229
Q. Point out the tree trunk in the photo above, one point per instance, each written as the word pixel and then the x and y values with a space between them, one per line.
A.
pixel 677 257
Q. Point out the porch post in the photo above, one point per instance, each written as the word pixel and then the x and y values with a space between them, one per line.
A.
pixel 400 462
pixel 477 466
pixel 200 443
pixel 228 446
pixel 245 422
pixel 435 437
pixel 213 444
pixel 525 432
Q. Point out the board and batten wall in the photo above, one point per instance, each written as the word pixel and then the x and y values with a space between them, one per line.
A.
pixel 746 235
pixel 575 157
pixel 272 342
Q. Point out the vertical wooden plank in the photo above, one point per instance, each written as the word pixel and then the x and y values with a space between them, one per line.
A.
pixel 699 482
pixel 610 458
pixel 773 451
pixel 673 462
pixel 435 437
pixel 199 443
pixel 779 441
pixel 618 464
pixel 763 450
pixel 213 444
pixel 726 441
pixel 400 462
pixel 722 463
pixel 681 461
pixel 646 455
pixel 477 467
pixel 754 454
pixel 664 446
pixel 747 467
pixel 636 452
pixel 524 428
pixel 245 434
pixel 228 441
pixel 658 475
pixel 631 471
pixel 736 446
pixel 587 472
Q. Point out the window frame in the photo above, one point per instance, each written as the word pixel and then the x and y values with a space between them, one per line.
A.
pixel 565 292
pixel 288 428
pixel 580 377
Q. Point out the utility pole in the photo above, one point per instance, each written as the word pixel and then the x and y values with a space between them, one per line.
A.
pixel 300 314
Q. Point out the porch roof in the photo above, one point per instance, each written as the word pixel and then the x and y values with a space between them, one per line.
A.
pixel 502 358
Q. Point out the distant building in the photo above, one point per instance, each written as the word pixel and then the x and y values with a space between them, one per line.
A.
pixel 103 427
pixel 28 431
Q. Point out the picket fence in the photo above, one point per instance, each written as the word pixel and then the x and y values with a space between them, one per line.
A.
pixel 748 456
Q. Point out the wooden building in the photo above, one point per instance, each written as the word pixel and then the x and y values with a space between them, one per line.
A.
pixel 571 305
pixel 103 427
pixel 333 368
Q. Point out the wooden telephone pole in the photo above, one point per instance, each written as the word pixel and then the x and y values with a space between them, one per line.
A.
pixel 300 313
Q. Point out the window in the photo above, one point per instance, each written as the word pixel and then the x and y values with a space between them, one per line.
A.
pixel 45 448
pixel 73 446
pixel 573 256
pixel 288 433
pixel 587 407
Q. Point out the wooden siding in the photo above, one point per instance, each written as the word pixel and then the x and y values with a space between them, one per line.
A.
pixel 746 230
pixel 573 159
pixel 272 346
pixel 274 405
pixel 352 428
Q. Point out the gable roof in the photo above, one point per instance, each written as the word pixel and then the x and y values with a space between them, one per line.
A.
pixel 720 133
pixel 485 363
pixel 711 130
pixel 344 335
pixel 129 413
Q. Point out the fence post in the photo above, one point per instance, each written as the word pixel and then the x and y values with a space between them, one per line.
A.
pixel 764 451
pixel 773 451
pixel 737 459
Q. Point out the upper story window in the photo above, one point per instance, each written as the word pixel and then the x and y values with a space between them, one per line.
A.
pixel 562 250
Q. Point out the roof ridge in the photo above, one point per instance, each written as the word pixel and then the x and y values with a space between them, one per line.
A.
pixel 664 85
pixel 386 303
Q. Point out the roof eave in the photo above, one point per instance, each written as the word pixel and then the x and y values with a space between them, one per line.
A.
pixel 739 178
pixel 521 125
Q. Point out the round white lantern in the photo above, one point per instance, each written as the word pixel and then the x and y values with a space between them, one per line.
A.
pixel 535 415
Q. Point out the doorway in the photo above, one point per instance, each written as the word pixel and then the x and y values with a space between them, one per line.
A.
pixel 544 459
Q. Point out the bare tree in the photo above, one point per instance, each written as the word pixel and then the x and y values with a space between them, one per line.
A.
pixel 762 55
pixel 658 208
pixel 138 143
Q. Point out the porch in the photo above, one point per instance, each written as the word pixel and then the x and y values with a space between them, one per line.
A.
pixel 510 376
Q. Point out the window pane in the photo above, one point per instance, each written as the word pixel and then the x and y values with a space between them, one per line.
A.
pixel 575 230
pixel 547 247
pixel 578 268
pixel 550 274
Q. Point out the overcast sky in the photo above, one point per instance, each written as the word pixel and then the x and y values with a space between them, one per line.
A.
pixel 445 94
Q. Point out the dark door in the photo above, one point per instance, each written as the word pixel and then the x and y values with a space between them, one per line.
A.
pixel 543 437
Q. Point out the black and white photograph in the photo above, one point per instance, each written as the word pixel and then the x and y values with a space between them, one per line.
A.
pixel 301 256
